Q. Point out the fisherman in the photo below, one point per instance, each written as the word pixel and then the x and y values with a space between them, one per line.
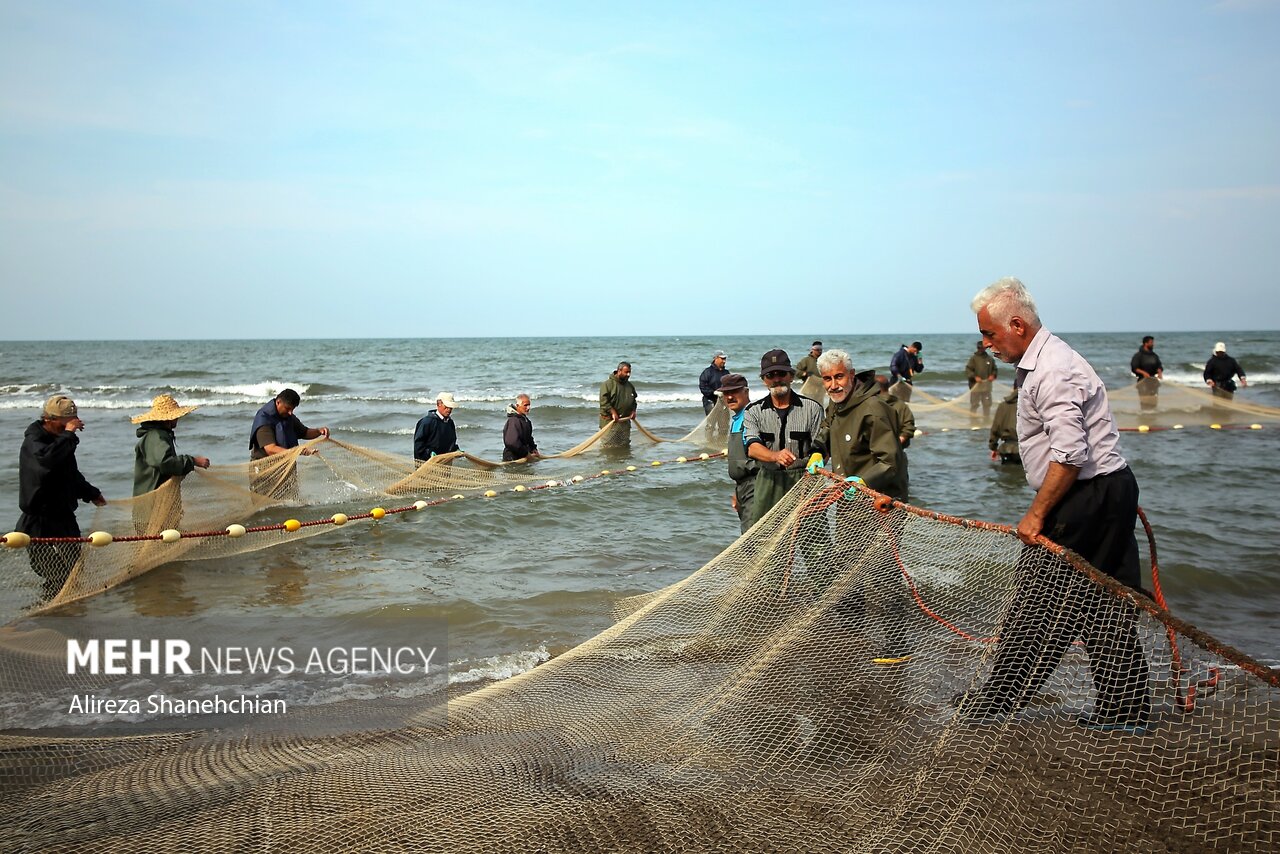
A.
pixel 981 372
pixel 1149 370
pixel 517 433
pixel 903 367
pixel 436 433
pixel 1086 501
pixel 859 437
pixel 49 486
pixel 742 469
pixel 904 423
pixel 156 461
pixel 778 431
pixel 618 406
pixel 276 430
pixel 710 380
pixel 1220 373
pixel 808 366
pixel 1004 431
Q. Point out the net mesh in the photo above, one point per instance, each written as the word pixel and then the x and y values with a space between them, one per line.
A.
pixel 747 707
pixel 325 472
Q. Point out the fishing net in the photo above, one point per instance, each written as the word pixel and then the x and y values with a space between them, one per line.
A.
pixel 817 686
pixel 200 507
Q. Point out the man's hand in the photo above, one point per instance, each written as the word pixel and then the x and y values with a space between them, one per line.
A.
pixel 784 457
pixel 202 462
pixel 734 501
pixel 324 432
pixel 99 501
pixel 73 425
pixel 1029 527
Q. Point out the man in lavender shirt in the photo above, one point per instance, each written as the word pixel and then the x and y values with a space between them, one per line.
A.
pixel 1086 500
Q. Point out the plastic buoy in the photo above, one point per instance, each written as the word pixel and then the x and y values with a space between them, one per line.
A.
pixel 681 460
pixel 577 478
pixel 1255 426
pixel 489 493
pixel 17 540
pixel 234 531
pixel 946 429
pixel 606 471
pixel 631 468
pixel 656 463
pixel 292 525
pixel 1177 426
pixel 170 535
pixel 704 456
pixel 553 483
pixel 100 538
pixel 456 497
pixel 519 487
pixel 339 518
pixel 1143 428
pixel 919 432
pixel 377 512
pixel 975 428
pixel 1215 426
pixel 419 505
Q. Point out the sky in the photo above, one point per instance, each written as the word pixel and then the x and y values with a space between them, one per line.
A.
pixel 326 169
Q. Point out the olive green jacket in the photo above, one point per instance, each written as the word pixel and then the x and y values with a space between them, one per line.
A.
pixel 807 367
pixel 980 366
pixel 905 419
pixel 860 438
pixel 1004 425
pixel 156 459
pixel 617 394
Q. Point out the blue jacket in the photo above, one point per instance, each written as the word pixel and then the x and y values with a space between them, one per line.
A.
pixel 434 435
pixel 287 428
pixel 902 365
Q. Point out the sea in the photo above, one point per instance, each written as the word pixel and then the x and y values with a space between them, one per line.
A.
pixel 516 580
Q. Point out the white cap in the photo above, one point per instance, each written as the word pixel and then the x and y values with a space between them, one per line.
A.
pixel 1220 347
pixel 447 399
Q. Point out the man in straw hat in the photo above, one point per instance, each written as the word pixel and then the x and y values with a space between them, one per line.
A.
pixel 156 458
pixel 49 486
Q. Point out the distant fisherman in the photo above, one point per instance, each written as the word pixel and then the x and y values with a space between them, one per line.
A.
pixel 981 372
pixel 1220 372
pixel 779 433
pixel 276 430
pixel 1149 370
pixel 904 419
pixel 742 469
pixel 903 367
pixel 49 486
pixel 808 366
pixel 517 433
pixel 709 381
pixel 436 433
pixel 1004 431
pixel 156 461
pixel 618 406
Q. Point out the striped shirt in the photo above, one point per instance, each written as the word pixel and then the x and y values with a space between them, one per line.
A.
pixel 1063 413
pixel 792 428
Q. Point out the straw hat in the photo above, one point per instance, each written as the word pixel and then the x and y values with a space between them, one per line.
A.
pixel 163 408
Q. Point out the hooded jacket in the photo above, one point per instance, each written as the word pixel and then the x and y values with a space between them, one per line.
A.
pixel 517 435
pixel 1223 370
pixel 618 394
pixel 434 435
pixel 904 420
pixel 156 458
pixel 49 481
pixel 980 366
pixel 859 436
pixel 1004 426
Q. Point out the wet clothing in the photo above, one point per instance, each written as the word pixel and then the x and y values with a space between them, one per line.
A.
pixel 709 383
pixel 859 435
pixel 156 458
pixel 272 428
pixel 807 367
pixel 50 486
pixel 1004 430
pixel 618 394
pixel 1148 361
pixel 904 419
pixel 434 435
pixel 742 470
pixel 792 428
pixel 1223 370
pixel 517 435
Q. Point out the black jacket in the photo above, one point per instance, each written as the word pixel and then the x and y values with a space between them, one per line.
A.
pixel 49 481
pixel 1223 370
pixel 710 380
pixel 434 435
pixel 517 436
pixel 1148 361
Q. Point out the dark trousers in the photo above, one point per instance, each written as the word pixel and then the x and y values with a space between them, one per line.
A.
pixel 1055 604
pixel 51 561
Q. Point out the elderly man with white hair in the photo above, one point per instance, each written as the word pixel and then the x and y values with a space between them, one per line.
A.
pixel 436 433
pixel 1086 500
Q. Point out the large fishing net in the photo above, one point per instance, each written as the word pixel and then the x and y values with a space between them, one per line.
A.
pixel 823 684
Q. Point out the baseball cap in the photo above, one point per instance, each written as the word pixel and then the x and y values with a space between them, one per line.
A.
pixel 60 406
pixel 1220 347
pixel 733 382
pixel 447 399
pixel 775 360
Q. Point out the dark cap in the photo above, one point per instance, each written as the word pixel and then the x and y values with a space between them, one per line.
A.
pixel 733 382
pixel 816 344
pixel 775 360
pixel 917 345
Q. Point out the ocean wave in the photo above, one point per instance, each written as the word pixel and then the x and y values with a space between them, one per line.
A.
pixel 1197 378
pixel 497 667
pixel 263 391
